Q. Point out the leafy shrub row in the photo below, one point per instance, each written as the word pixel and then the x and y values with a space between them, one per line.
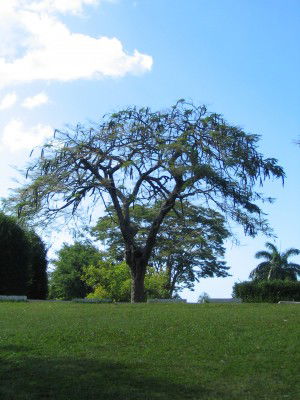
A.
pixel 267 291
pixel 23 260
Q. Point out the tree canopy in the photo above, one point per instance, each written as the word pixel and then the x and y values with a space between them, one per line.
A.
pixel 136 157
pixel 66 280
pixel 276 264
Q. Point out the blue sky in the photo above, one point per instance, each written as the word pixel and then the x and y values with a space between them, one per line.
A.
pixel 65 61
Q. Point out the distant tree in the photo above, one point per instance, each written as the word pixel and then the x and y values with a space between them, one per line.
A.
pixel 203 298
pixel 137 157
pixel 276 264
pixel 66 280
pixel 23 260
pixel 189 245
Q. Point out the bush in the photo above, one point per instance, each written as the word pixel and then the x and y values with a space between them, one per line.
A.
pixel 267 291
pixel 108 281
pixel 14 257
pixel 113 281
pixel 37 285
pixel 66 282
pixel 23 260
pixel 155 284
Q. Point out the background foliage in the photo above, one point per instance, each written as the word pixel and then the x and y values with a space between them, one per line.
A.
pixel 66 280
pixel 189 245
pixel 113 281
pixel 267 291
pixel 276 264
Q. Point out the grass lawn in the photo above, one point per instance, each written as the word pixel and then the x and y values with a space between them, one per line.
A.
pixel 149 351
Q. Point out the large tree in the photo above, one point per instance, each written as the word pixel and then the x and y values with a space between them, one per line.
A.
pixel 137 156
pixel 276 264
pixel 189 244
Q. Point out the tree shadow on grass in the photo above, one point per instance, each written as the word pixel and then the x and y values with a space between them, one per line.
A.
pixel 13 348
pixel 28 378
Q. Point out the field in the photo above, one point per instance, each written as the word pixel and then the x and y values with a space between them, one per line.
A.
pixel 149 351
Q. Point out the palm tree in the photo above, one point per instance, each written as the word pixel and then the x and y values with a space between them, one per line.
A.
pixel 276 265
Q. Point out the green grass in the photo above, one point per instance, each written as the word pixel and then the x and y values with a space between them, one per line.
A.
pixel 149 351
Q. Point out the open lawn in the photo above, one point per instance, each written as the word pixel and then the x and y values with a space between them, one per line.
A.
pixel 149 351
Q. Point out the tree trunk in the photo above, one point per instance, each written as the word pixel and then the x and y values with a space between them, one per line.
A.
pixel 270 274
pixel 138 294
pixel 138 265
pixel 168 284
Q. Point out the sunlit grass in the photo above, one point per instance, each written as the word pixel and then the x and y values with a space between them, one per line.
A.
pixel 148 351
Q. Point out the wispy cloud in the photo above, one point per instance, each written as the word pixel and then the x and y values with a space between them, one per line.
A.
pixel 8 101
pixel 35 101
pixel 17 137
pixel 61 6
pixel 41 47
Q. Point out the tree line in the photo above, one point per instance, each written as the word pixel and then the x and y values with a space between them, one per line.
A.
pixel 83 271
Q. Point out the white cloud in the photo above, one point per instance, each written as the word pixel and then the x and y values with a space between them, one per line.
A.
pixel 8 7
pixel 41 47
pixel 16 137
pixel 35 101
pixel 8 101
pixel 62 6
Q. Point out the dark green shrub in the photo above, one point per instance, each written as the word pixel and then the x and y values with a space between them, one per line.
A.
pixel 267 291
pixel 37 284
pixel 23 262
pixel 14 257
pixel 66 280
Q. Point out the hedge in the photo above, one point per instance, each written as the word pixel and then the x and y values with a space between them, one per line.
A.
pixel 267 291
pixel 23 261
